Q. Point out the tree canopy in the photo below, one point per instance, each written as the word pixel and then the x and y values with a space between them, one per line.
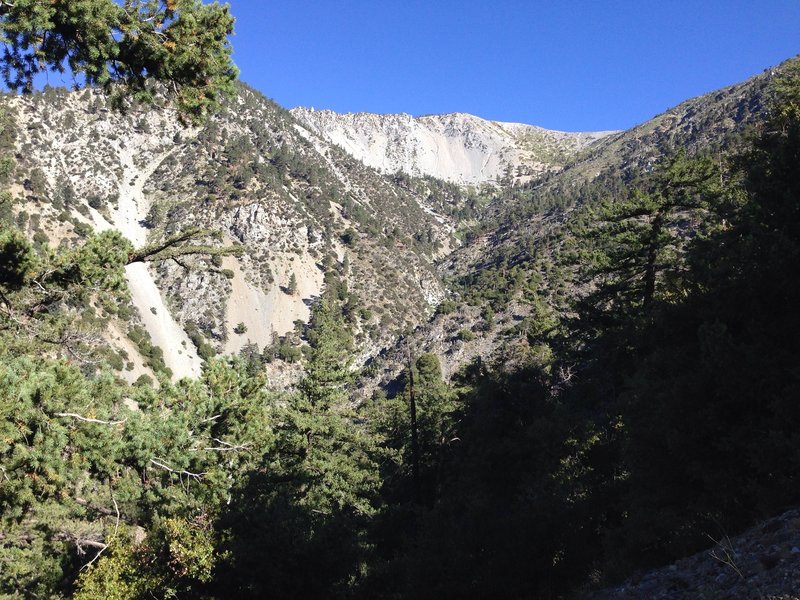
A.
pixel 180 43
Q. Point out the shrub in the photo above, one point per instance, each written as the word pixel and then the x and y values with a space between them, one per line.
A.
pixel 446 307
pixel 465 335
pixel 288 353
pixel 144 381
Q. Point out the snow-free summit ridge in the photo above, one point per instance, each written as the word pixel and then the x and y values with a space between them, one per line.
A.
pixel 457 147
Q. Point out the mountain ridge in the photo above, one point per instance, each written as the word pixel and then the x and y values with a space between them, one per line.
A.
pixel 297 207
pixel 457 147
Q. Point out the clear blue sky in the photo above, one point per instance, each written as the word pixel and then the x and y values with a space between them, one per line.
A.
pixel 570 65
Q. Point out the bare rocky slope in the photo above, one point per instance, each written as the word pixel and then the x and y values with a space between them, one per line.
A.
pixel 458 147
pixel 300 208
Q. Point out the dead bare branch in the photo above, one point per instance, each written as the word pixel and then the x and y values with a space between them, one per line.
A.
pixel 158 462
pixel 88 420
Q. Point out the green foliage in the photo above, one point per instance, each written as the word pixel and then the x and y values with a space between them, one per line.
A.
pixel 465 335
pixel 97 263
pixel 309 506
pixel 17 259
pixel 412 469
pixel 488 316
pixel 446 307
pixel 506 517
pixel 6 209
pixel 349 238
pixel 75 458
pixel 37 183
pixel 633 250
pixel 330 343
pixel 785 97
pixel 180 244
pixel 121 574
pixel 8 135
pixel 177 557
pixel 204 350
pixel 496 284
pixel 7 165
pixel 154 356
pixel 42 293
pixel 181 42
pixel 285 350
pixel 81 229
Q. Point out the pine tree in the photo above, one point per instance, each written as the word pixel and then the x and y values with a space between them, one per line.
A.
pixel 307 509
pixel 633 249
pixel 424 409
pixel 292 287
pixel 181 43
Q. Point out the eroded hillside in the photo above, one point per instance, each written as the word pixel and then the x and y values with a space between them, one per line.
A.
pixel 458 147
pixel 301 209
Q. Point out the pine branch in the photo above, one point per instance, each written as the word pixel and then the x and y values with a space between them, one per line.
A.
pixel 171 248
pixel 162 465
pixel 173 253
pixel 146 252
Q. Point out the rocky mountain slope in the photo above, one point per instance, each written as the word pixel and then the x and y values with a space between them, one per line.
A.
pixel 458 147
pixel 301 209
pixel 510 262
pixel 514 224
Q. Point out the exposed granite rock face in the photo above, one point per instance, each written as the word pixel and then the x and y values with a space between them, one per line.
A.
pixel 763 563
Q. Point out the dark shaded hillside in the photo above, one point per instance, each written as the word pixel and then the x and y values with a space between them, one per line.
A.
pixel 650 407
pixel 763 562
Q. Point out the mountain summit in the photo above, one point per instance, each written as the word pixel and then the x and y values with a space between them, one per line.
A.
pixel 456 147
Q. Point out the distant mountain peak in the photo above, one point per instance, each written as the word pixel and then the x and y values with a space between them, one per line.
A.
pixel 457 147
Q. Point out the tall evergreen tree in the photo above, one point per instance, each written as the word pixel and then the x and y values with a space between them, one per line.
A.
pixel 633 250
pixel 307 509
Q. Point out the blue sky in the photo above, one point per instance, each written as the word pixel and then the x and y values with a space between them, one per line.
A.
pixel 570 65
